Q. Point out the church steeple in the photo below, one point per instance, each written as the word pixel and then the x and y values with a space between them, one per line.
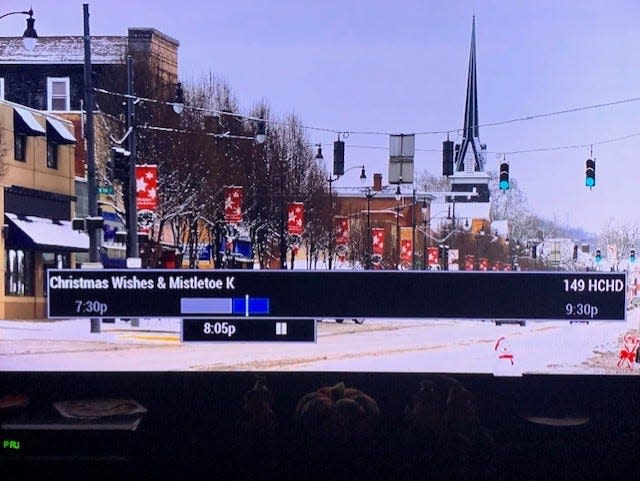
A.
pixel 470 155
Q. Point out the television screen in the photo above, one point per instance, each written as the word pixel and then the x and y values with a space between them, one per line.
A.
pixel 416 254
pixel 354 319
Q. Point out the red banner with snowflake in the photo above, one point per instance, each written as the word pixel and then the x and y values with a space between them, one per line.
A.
pixel 233 204
pixel 433 256
pixel 295 218
pixel 146 187
pixel 341 226
pixel 469 262
pixel 406 245
pixel 377 239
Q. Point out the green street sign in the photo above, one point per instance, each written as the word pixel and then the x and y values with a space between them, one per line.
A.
pixel 105 190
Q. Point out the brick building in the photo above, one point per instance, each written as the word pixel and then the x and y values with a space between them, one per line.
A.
pixel 51 78
pixel 37 203
pixel 377 207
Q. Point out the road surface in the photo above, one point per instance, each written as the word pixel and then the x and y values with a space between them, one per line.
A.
pixel 381 345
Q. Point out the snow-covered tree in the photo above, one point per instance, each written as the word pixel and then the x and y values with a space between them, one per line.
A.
pixel 624 236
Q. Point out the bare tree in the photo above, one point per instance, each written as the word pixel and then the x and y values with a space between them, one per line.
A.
pixel 624 236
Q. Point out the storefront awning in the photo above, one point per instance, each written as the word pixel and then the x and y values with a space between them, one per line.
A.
pixel 39 233
pixel 24 122
pixel 57 131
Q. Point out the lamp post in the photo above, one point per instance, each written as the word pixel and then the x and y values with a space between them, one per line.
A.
pixel 132 209
pixel 398 196
pixel 29 37
pixel 425 219
pixel 133 251
pixel 92 225
pixel 369 195
pixel 331 179
pixel 479 235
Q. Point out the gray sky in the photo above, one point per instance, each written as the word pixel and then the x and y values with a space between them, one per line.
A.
pixel 400 66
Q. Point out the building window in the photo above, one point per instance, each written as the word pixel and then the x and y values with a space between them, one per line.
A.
pixel 1 88
pixel 58 96
pixel 52 154
pixel 20 146
pixel 53 260
pixel 18 273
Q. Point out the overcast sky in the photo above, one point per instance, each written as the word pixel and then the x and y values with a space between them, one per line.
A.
pixel 400 66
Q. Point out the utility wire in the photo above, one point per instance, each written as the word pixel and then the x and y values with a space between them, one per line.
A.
pixel 346 133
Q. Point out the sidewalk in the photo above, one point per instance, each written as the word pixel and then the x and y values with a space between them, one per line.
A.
pixel 80 329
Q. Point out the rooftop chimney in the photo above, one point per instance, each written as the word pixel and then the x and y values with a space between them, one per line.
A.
pixel 377 182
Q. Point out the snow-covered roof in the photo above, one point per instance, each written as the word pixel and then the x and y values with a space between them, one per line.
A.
pixel 26 113
pixel 406 190
pixel 442 212
pixel 61 129
pixel 64 50
pixel 46 232
pixel 29 119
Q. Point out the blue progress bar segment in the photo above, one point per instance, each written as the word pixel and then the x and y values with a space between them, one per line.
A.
pixel 205 305
pixel 250 306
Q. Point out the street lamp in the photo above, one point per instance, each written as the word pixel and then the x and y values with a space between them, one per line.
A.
pixel 261 134
pixel 331 179
pixel 132 210
pixel 29 37
pixel 178 102
pixel 398 196
pixel 369 195
pixel 89 135
pixel 425 219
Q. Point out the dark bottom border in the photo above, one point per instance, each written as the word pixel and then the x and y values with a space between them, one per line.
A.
pixel 195 426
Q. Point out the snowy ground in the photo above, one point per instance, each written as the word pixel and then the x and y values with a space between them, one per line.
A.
pixel 377 345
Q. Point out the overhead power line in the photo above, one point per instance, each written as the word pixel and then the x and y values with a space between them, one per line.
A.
pixel 373 132
pixel 346 133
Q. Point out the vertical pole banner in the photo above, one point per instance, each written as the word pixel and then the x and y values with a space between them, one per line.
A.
pixel 341 231
pixel 406 245
pixel 233 196
pixel 146 195
pixel 377 234
pixel 341 226
pixel 432 256
pixel 377 243
pixel 295 218
pixel 483 264
pixel 453 260
pixel 469 261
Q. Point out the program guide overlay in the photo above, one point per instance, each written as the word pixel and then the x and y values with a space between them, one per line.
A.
pixel 298 294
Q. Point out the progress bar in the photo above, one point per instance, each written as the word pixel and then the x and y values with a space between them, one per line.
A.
pixel 241 306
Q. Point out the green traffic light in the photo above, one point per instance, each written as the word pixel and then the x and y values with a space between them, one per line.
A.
pixel 590 182
pixel 504 185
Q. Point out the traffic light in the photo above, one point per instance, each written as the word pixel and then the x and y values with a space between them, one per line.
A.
pixel 590 179
pixel 338 157
pixel 504 176
pixel 575 252
pixel 119 164
pixel 598 255
pixel 632 255
pixel 534 251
